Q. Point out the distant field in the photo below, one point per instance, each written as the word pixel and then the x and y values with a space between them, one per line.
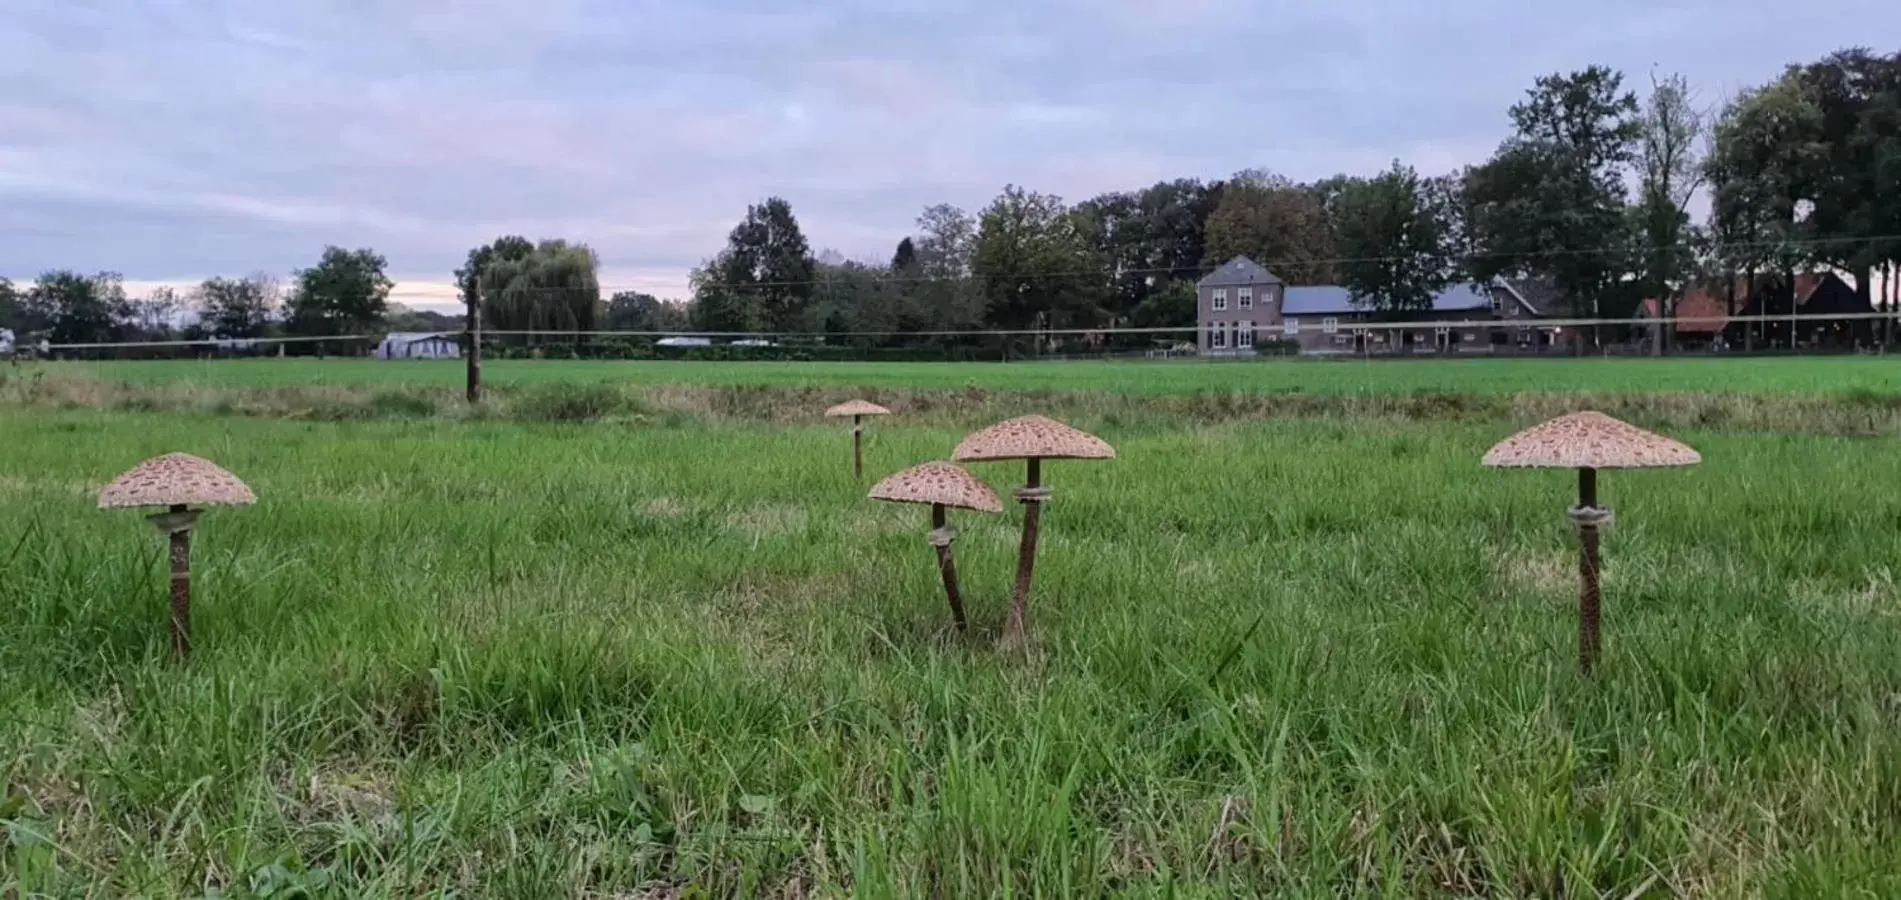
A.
pixel 1476 376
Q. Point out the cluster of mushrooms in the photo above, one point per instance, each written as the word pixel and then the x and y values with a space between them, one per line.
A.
pixel 180 486
pixel 942 485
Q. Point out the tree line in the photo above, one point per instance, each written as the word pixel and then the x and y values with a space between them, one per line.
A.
pixel 1591 192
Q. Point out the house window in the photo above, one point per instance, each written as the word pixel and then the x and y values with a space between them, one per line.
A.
pixel 1246 297
pixel 1217 337
pixel 1498 302
pixel 1290 327
pixel 1221 300
pixel 1244 338
pixel 1329 325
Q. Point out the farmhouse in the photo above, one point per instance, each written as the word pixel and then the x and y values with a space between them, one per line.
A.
pixel 1242 305
pixel 418 345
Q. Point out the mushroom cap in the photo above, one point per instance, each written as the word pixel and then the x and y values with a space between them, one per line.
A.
pixel 857 408
pixel 1589 440
pixel 938 483
pixel 1032 437
pixel 175 479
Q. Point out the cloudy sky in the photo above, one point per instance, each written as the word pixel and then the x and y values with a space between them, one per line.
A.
pixel 175 139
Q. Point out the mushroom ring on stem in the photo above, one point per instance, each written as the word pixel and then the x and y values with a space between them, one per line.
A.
pixel 1034 439
pixel 857 409
pixel 182 485
pixel 1589 441
pixel 941 485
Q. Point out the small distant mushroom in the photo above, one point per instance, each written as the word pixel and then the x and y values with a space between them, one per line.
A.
pixel 941 484
pixel 857 409
pixel 183 484
pixel 1032 438
pixel 1588 441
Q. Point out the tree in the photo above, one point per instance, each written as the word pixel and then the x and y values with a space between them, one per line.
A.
pixel 347 292
pixel 1033 265
pixel 554 287
pixel 762 279
pixel 904 259
pixel 77 309
pixel 1765 164
pixel 508 248
pixel 1396 235
pixel 941 294
pixel 635 311
pixel 1150 238
pixel 1275 222
pixel 13 315
pixel 1551 200
pixel 237 308
pixel 1670 170
pixel 155 317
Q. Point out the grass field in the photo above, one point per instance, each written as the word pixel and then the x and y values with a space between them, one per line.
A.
pixel 673 651
pixel 1475 376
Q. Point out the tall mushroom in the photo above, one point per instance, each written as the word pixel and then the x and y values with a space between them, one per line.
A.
pixel 183 484
pixel 1588 441
pixel 1032 438
pixel 941 484
pixel 857 409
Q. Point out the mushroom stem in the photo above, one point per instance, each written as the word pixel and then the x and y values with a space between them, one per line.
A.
pixel 1589 598
pixel 181 588
pixel 941 536
pixel 1032 497
pixel 857 456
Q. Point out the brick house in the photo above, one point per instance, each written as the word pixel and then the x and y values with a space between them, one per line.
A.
pixel 1242 304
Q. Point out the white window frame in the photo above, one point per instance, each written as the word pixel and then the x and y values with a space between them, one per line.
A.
pixel 1290 327
pixel 1244 336
pixel 1329 325
pixel 1220 303
pixel 1244 297
pixel 1218 337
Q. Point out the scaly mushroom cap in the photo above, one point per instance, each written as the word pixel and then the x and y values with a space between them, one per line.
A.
pixel 857 408
pixel 175 479
pixel 1032 437
pixel 940 483
pixel 1589 440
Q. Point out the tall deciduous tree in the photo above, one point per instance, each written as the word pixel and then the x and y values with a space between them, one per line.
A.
pixel 155 316
pixel 1034 265
pixel 13 315
pixel 1670 169
pixel 1275 222
pixel 1551 200
pixel 346 292
pixel 236 308
pixel 763 279
pixel 942 295
pixel 1765 165
pixel 1149 238
pixel 78 309
pixel 1396 233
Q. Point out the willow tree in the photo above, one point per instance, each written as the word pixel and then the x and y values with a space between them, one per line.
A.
pixel 551 287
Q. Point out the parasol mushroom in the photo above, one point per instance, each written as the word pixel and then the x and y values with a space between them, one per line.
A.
pixel 183 484
pixel 941 484
pixel 1588 441
pixel 1032 438
pixel 857 409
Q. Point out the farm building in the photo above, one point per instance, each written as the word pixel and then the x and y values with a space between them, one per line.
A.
pixel 418 345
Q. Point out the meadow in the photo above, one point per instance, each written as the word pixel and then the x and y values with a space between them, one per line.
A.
pixel 635 632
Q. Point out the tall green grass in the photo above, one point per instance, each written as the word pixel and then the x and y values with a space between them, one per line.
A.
pixel 629 657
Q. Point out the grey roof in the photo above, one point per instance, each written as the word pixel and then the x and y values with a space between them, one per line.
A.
pixel 1332 299
pixel 1540 295
pixel 414 337
pixel 1239 270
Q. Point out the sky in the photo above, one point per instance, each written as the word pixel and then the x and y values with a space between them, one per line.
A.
pixel 173 140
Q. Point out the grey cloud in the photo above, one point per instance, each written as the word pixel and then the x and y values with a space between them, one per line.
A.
pixel 172 139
